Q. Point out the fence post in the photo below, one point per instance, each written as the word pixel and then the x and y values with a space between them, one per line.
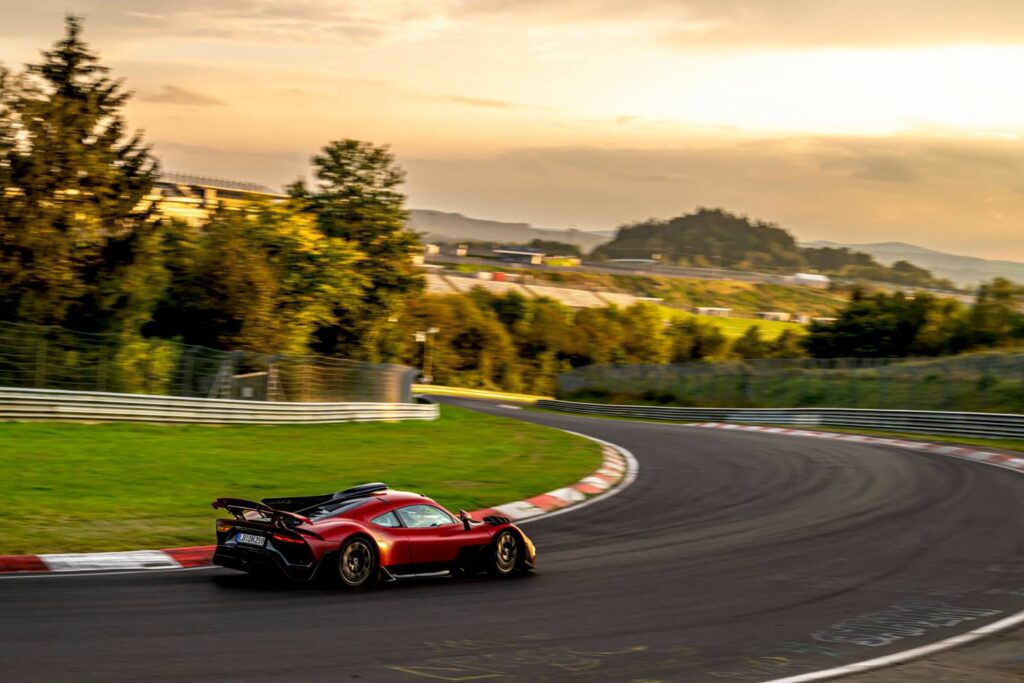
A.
pixel 41 363
pixel 187 363
pixel 101 374
pixel 946 388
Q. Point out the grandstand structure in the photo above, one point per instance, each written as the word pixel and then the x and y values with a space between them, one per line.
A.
pixel 449 283
pixel 193 199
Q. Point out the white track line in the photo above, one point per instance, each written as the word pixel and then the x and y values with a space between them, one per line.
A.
pixel 906 655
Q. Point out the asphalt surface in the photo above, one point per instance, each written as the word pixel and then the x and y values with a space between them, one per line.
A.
pixel 734 556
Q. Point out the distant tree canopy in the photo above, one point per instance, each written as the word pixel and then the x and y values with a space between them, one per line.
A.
pixel 518 344
pixel 709 237
pixel 716 238
pixel 896 325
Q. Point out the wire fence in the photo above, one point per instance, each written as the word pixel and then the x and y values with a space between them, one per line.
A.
pixel 990 382
pixel 55 358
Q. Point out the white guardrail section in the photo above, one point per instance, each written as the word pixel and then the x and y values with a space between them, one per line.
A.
pixel 982 425
pixel 54 404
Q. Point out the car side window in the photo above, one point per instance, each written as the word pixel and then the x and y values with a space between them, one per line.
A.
pixel 388 519
pixel 424 516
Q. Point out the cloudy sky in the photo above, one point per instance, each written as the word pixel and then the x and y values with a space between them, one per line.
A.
pixel 849 120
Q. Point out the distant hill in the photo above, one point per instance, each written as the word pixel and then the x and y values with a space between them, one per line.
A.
pixel 705 238
pixel 963 270
pixel 714 237
pixel 446 227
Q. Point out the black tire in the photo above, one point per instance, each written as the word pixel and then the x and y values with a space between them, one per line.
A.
pixel 357 562
pixel 505 553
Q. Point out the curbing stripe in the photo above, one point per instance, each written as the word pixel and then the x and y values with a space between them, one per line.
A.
pixel 134 559
pixel 615 470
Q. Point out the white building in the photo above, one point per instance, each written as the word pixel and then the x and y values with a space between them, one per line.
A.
pixel 816 280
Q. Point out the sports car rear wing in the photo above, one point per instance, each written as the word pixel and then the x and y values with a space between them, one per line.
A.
pixel 238 507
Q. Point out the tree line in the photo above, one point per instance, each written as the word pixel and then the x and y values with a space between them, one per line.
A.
pixel 84 248
pixel 897 325
pixel 522 344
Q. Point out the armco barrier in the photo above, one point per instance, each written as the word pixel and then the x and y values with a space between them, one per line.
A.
pixel 982 425
pixel 53 404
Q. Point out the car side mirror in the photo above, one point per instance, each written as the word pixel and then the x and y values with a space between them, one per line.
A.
pixel 464 516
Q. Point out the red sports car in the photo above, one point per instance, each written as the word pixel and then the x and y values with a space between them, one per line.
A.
pixel 365 534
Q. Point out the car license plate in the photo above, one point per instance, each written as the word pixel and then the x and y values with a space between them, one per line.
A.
pixel 250 539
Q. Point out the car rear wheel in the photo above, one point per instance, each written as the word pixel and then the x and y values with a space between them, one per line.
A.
pixel 357 563
pixel 506 551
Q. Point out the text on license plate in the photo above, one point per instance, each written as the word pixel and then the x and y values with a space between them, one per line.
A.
pixel 250 539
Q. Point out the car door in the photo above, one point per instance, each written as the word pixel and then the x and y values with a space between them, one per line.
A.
pixel 434 535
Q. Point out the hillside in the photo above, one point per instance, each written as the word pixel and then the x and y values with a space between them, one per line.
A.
pixel 965 271
pixel 745 298
pixel 445 227
pixel 716 238
pixel 709 237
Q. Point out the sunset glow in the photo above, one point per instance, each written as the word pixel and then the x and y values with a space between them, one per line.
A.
pixel 858 122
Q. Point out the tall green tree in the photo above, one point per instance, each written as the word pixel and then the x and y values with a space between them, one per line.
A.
pixel 75 247
pixel 263 280
pixel 356 198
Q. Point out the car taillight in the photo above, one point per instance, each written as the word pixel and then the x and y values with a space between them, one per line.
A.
pixel 224 528
pixel 286 539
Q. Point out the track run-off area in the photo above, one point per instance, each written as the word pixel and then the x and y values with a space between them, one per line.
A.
pixel 734 556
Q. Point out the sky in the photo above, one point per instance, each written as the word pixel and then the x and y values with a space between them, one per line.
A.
pixel 847 120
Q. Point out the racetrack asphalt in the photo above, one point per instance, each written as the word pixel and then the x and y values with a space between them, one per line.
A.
pixel 734 556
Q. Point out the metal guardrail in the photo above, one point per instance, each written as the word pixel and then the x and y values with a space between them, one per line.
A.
pixel 981 425
pixel 55 404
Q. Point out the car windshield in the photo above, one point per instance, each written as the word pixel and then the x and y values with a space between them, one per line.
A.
pixel 333 509
pixel 421 516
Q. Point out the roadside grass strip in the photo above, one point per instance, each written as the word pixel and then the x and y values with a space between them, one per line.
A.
pixel 617 468
pixel 72 488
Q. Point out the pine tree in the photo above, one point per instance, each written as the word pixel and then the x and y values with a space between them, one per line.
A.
pixel 76 247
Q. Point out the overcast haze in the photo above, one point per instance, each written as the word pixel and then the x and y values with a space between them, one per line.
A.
pixel 850 121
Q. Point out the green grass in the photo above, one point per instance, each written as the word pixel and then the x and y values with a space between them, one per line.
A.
pixel 736 327
pixel 77 487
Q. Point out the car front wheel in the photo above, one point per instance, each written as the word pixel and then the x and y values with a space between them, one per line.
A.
pixel 506 551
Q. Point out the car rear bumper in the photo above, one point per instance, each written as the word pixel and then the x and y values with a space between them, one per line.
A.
pixel 261 561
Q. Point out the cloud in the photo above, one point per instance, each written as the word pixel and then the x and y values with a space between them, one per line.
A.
pixel 484 102
pixel 172 94
pixel 795 23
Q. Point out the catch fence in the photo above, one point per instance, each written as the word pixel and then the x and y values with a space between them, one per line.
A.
pixel 55 358
pixel 988 382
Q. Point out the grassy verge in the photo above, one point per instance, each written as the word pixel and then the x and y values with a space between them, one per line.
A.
pixel 75 487
pixel 734 328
